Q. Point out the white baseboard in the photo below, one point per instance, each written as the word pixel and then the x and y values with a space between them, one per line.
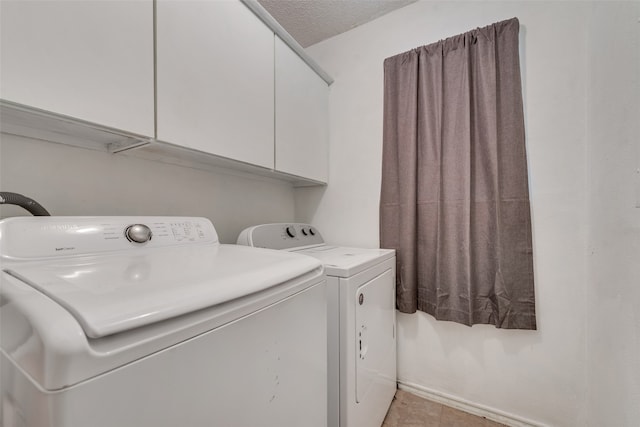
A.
pixel 467 406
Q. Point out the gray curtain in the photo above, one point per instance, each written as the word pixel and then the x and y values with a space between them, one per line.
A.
pixel 455 199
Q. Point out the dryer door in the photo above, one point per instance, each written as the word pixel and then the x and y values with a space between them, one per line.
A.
pixel 375 334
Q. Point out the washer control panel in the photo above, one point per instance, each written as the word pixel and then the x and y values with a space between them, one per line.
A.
pixel 37 237
pixel 280 236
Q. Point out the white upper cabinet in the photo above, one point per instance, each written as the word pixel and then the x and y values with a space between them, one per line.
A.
pixel 91 60
pixel 215 75
pixel 302 117
pixel 194 82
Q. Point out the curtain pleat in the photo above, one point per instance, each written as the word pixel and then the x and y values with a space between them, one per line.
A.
pixel 454 197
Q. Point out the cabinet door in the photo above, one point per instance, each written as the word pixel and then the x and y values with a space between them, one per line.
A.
pixel 215 79
pixel 302 117
pixel 91 60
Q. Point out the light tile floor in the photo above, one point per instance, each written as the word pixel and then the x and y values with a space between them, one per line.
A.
pixel 409 410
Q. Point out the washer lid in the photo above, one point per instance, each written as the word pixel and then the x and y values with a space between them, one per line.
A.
pixel 345 262
pixel 115 293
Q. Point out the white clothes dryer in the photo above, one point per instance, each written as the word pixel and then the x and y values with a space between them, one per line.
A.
pixel 361 320
pixel 150 321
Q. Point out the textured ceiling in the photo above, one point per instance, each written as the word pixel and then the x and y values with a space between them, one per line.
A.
pixel 311 21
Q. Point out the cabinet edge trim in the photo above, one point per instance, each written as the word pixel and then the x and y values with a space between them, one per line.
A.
pixel 270 21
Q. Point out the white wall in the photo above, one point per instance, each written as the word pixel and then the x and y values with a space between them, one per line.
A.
pixel 538 376
pixel 75 181
pixel 614 245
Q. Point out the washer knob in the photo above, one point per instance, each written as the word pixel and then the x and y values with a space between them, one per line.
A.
pixel 312 231
pixel 291 232
pixel 138 233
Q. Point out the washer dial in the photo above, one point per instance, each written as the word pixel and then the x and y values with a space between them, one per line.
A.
pixel 138 233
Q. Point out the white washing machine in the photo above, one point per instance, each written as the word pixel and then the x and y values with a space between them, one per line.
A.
pixel 150 321
pixel 361 320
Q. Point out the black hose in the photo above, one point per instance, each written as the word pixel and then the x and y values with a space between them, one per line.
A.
pixel 31 205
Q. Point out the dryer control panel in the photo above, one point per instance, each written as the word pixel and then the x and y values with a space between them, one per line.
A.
pixel 280 236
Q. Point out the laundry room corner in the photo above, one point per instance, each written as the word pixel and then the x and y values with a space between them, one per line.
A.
pixel 319 213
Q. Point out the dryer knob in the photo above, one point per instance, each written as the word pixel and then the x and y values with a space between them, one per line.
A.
pixel 291 232
pixel 312 231
pixel 138 233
